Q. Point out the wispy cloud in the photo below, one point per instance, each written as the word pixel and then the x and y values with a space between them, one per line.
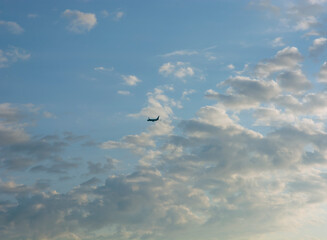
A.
pixel 103 69
pixel 121 92
pixel 278 42
pixel 12 27
pixel 80 22
pixel 181 53
pixel 12 55
pixel 116 16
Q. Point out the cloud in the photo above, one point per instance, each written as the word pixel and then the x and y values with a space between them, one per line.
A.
pixel 294 81
pixel 12 27
pixel 98 168
pixel 123 92
pixel 159 104
pixel 285 59
pixel 318 46
pixel 265 5
pixel 116 16
pixel 178 70
pixel 270 116
pixel 322 77
pixel 196 178
pixel 12 55
pixel 80 22
pixel 231 67
pixel 131 80
pixel 306 23
pixel 181 53
pixel 32 15
pixel 278 42
pixel 103 69
pixel 245 92
pixel 186 93
pixel 119 15
pixel 21 151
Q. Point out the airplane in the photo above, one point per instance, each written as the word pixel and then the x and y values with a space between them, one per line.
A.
pixel 153 119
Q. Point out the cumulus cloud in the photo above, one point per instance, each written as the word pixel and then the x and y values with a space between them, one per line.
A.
pixel 294 81
pixel 80 22
pixel 131 80
pixel 200 176
pixel 12 27
pixel 99 168
pixel 318 46
pixel 178 70
pixel 285 59
pixel 245 92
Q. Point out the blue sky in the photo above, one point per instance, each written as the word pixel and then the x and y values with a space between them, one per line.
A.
pixel 239 151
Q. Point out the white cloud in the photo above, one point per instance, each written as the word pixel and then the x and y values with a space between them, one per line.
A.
pixel 32 15
pixel 186 93
pixel 266 5
pixel 178 70
pixel 181 53
pixel 317 1
pixel 49 115
pixel 231 67
pixel 80 22
pixel 272 117
pixel 278 42
pixel 119 15
pixel 12 27
pixel 245 92
pixel 306 23
pixel 131 80
pixel 285 59
pixel 103 69
pixel 105 13
pixel 121 92
pixel 318 46
pixel 12 55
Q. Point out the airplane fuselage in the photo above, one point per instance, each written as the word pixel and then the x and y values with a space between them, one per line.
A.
pixel 153 119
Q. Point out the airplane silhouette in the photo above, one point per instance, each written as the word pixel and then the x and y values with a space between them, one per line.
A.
pixel 153 119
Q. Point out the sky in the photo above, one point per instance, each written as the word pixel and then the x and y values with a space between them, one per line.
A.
pixel 239 151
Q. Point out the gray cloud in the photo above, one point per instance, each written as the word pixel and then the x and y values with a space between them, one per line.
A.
pixel 245 92
pixel 99 168
pixel 294 81
pixel 322 77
